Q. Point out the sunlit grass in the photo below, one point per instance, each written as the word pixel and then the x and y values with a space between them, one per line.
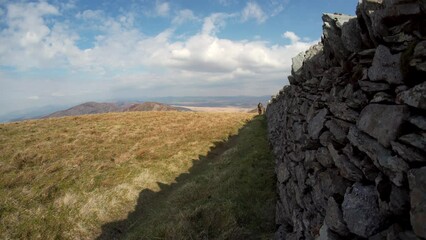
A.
pixel 65 177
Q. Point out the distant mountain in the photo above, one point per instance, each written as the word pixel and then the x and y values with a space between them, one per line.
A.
pixel 153 106
pixel 30 113
pixel 86 108
pixel 94 107
pixel 117 105
pixel 212 101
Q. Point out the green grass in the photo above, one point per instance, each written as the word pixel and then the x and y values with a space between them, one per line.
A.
pixel 229 196
pixel 74 177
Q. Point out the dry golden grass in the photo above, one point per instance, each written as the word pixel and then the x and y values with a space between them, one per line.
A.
pixel 65 177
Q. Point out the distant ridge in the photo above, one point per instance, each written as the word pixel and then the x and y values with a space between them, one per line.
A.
pixel 153 106
pixel 95 108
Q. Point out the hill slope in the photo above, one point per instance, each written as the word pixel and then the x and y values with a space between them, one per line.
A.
pixel 152 106
pixel 66 177
pixel 86 108
pixel 95 108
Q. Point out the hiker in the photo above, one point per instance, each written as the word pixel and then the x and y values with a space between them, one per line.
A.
pixel 260 108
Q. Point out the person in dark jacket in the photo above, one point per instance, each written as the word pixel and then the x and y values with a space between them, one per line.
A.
pixel 260 108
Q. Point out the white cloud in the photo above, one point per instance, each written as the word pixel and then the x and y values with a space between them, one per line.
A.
pixel 90 14
pixel 253 11
pixel 278 6
pixel 183 16
pixel 123 60
pixel 292 36
pixel 33 97
pixel 162 8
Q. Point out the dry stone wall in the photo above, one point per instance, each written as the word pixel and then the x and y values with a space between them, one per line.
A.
pixel 349 132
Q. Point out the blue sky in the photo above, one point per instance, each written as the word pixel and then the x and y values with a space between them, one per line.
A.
pixel 72 51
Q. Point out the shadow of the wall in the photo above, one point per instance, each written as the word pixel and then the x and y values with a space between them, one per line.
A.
pixel 148 198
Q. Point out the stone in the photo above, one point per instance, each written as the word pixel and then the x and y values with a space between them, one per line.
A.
pixel 282 173
pixel 419 57
pixel 332 29
pixel 325 138
pixel 329 183
pixel 418 120
pixel 383 122
pixel 417 183
pixel 408 153
pixel 279 213
pixel 382 97
pixel 393 200
pixel 361 211
pixel 338 128
pixel 415 140
pixel 317 123
pixel 297 63
pixel 386 66
pixel 394 232
pixel 351 37
pixel 393 166
pixel 334 218
pixel 347 169
pixel 342 111
pixel 362 162
pixel 400 89
pixel 313 65
pixel 324 158
pixel 326 234
pixel 358 100
pixel 415 96
pixel 368 86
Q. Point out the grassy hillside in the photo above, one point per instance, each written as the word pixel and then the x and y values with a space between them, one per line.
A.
pixel 73 177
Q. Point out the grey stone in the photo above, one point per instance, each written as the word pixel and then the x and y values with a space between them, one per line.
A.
pixel 338 128
pixel 351 37
pixel 369 170
pixel 334 218
pixel 394 232
pixel 347 169
pixel 358 100
pixel 326 234
pixel 361 211
pixel 417 183
pixel 325 138
pixel 415 140
pixel 368 86
pixel 408 153
pixel 407 235
pixel 399 38
pixel 418 121
pixel 342 111
pixel 282 173
pixel 400 88
pixel 415 96
pixel 297 63
pixel 393 166
pixel 383 122
pixel 313 65
pixel 393 200
pixel 279 213
pixel 324 158
pixel 419 57
pixel 329 183
pixel 386 67
pixel 317 123
pixel 382 97
pixel 332 29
